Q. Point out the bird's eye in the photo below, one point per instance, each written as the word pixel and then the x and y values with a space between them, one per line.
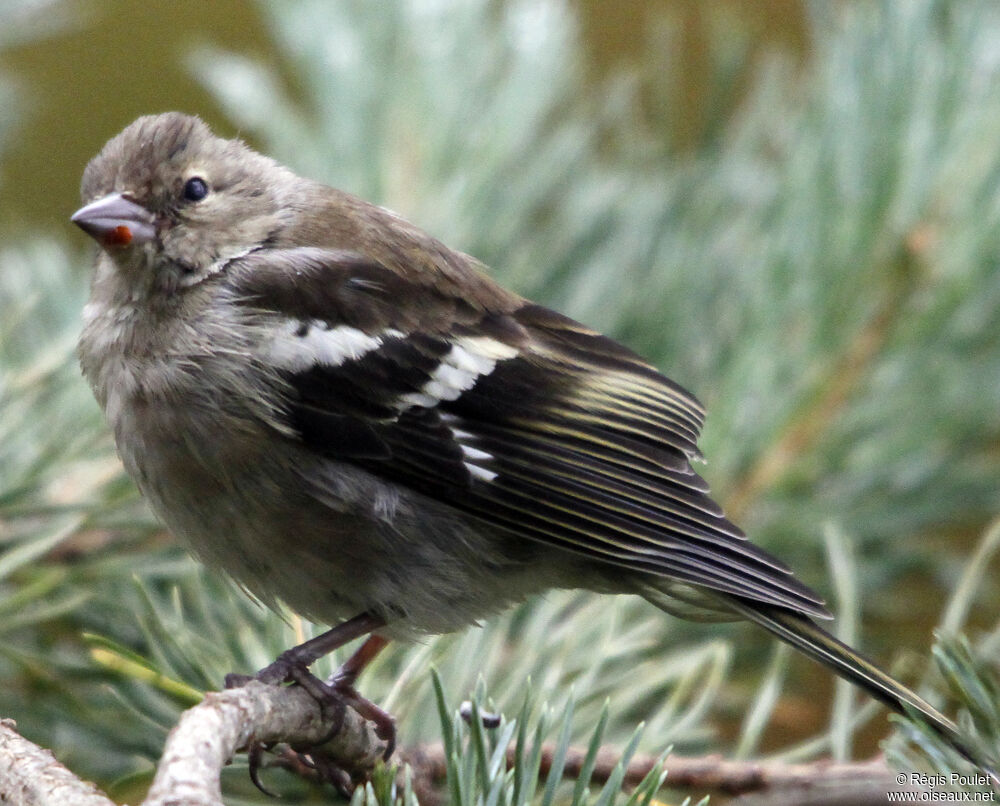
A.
pixel 195 189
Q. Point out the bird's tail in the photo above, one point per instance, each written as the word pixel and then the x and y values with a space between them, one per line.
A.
pixel 811 639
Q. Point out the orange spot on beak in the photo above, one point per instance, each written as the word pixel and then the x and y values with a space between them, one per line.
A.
pixel 119 236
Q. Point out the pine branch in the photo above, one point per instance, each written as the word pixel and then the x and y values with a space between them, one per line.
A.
pixel 701 774
pixel 209 734
pixel 202 743
pixel 31 776
pixel 840 381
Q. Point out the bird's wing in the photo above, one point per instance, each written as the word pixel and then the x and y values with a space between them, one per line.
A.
pixel 519 416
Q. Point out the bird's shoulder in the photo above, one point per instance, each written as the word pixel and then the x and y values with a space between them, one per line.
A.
pixel 404 254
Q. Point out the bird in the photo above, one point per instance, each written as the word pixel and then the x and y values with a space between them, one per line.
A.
pixel 346 415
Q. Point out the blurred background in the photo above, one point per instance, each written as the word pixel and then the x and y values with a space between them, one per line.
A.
pixel 792 208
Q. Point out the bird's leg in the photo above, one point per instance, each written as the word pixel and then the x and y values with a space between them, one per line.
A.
pixel 342 682
pixel 290 663
pixel 345 676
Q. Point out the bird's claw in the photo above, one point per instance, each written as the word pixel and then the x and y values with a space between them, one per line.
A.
pixel 337 694
pixel 255 756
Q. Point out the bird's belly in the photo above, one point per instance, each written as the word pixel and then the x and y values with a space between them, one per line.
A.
pixel 339 543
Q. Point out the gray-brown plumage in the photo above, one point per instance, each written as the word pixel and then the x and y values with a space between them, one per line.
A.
pixel 343 413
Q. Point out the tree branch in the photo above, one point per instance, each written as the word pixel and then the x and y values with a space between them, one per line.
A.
pixel 825 781
pixel 200 745
pixel 31 776
pixel 226 722
pixel 209 734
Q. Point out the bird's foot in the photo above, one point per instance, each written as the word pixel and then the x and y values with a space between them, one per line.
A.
pixel 385 724
pixel 334 697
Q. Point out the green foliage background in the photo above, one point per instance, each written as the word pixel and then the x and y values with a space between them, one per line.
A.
pixel 821 268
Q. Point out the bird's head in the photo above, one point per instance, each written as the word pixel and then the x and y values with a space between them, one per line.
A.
pixel 170 203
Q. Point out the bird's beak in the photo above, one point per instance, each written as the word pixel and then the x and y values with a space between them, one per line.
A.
pixel 116 221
